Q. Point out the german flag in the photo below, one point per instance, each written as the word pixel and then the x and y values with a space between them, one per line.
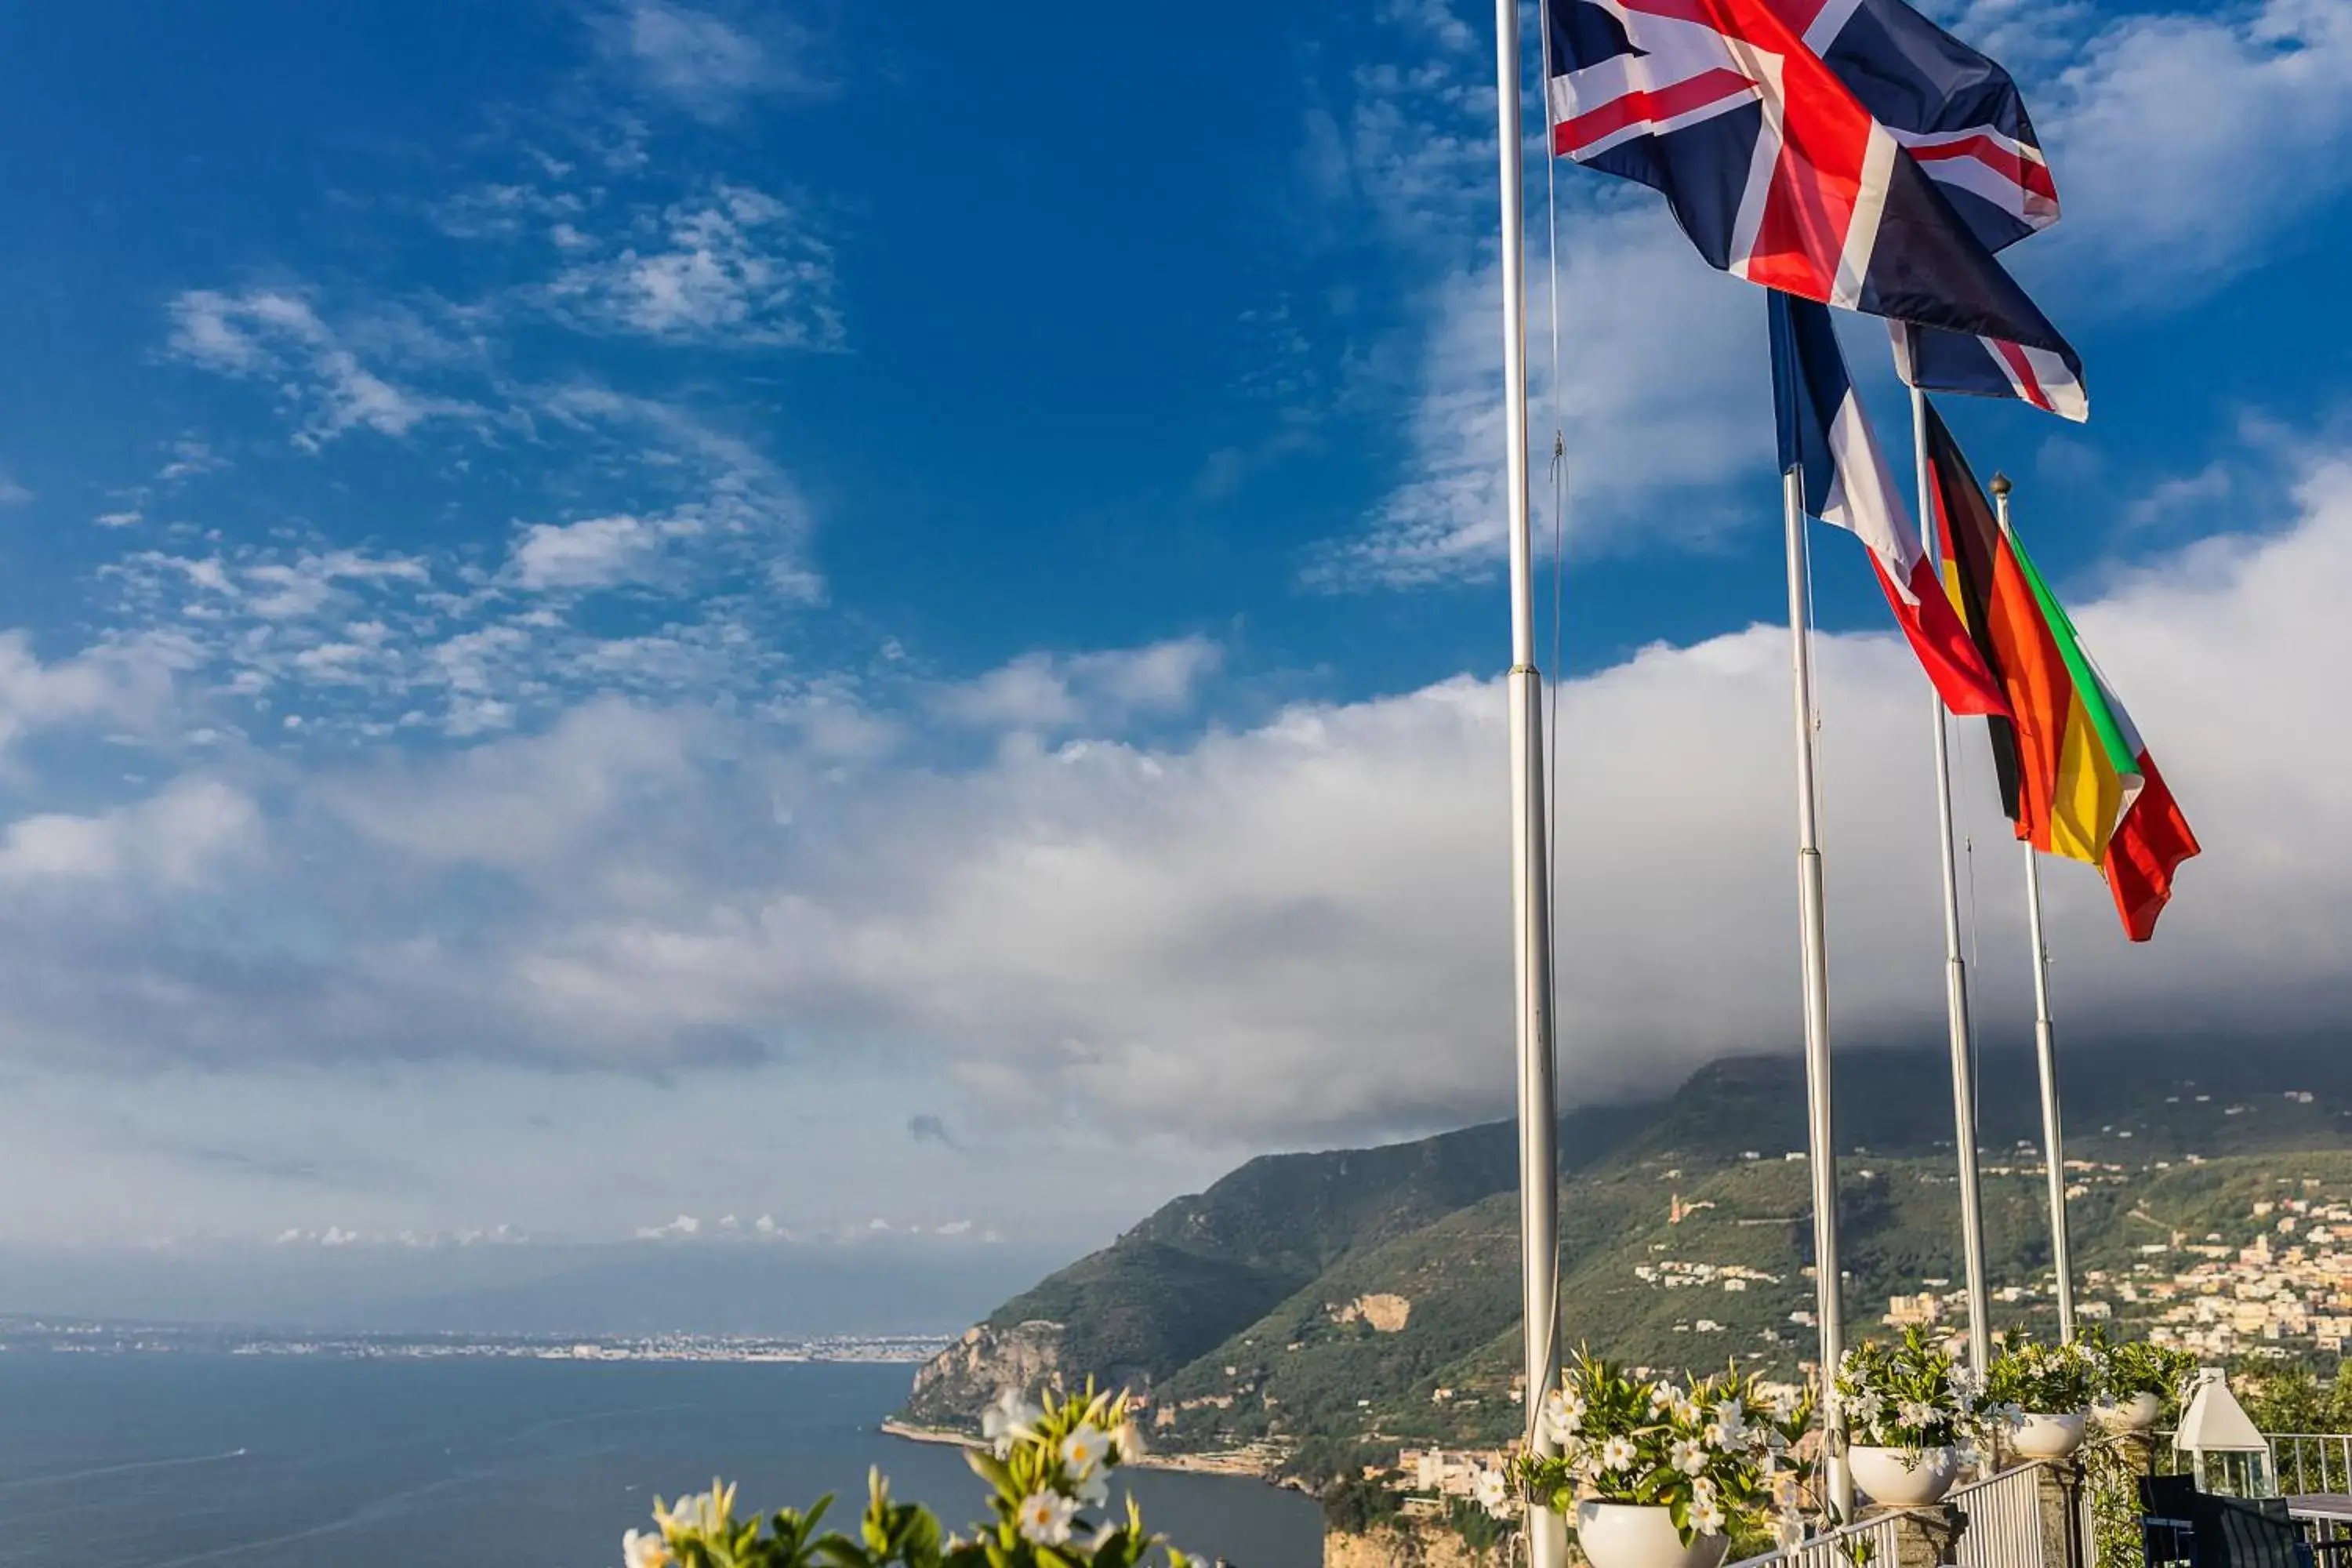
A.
pixel 2075 776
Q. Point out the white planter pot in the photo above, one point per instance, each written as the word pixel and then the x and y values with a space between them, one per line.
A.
pixel 1900 1478
pixel 2137 1414
pixel 1635 1535
pixel 2049 1437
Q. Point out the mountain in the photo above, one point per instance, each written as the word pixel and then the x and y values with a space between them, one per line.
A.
pixel 1328 1299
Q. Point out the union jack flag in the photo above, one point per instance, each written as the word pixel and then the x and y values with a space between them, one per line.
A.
pixel 1777 170
pixel 1987 367
pixel 1958 114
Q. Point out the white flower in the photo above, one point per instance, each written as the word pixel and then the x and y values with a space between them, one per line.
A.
pixel 1917 1413
pixel 1706 1518
pixel 1732 1418
pixel 1784 1405
pixel 644 1548
pixel 1686 1410
pixel 1687 1456
pixel 1493 1492
pixel 1084 1448
pixel 1564 1414
pixel 1703 1490
pixel 701 1512
pixel 1012 1419
pixel 1662 1398
pixel 1092 1489
pixel 1045 1518
pixel 1617 1454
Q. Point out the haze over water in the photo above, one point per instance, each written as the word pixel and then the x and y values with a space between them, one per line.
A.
pixel 166 1461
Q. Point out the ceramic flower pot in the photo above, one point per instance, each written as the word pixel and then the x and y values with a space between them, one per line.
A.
pixel 2137 1414
pixel 1636 1535
pixel 2049 1437
pixel 1904 1478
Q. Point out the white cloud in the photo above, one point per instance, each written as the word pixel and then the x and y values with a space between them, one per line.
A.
pixel 594 553
pixel 191 458
pixel 708 65
pixel 732 266
pixel 2158 194
pixel 367 641
pixel 1658 391
pixel 1057 691
pixel 277 334
pixel 12 492
pixel 1655 420
pixel 130 519
pixel 174 839
pixel 126 686
pixel 1277 933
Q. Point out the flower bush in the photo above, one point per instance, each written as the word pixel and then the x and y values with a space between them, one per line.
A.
pixel 1046 1467
pixel 2136 1367
pixel 1912 1395
pixel 1716 1454
pixel 2047 1379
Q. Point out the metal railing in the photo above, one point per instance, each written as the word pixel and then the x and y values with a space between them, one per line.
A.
pixel 2004 1521
pixel 2312 1461
pixel 1871 1541
pixel 2002 1529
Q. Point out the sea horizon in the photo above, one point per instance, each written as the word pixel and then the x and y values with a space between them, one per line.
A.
pixel 169 1461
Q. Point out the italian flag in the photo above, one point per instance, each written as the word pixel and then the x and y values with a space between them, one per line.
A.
pixel 2076 776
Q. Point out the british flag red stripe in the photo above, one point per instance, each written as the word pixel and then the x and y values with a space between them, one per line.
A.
pixel 1779 171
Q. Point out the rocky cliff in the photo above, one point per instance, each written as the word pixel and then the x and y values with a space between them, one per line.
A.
pixel 967 1374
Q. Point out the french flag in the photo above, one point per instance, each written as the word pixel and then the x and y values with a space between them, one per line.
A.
pixel 1846 483
pixel 1936 361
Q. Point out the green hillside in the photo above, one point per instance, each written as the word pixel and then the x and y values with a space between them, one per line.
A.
pixel 1372 1295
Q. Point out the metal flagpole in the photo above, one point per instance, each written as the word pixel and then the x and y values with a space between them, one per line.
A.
pixel 1531 903
pixel 2045 1052
pixel 1955 968
pixel 1829 1307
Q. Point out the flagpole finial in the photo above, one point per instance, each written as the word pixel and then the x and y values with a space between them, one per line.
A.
pixel 2000 485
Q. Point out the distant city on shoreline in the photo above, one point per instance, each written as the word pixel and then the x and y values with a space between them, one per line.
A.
pixel 70 1336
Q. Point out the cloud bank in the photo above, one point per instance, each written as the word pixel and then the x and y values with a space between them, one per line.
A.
pixel 1283 932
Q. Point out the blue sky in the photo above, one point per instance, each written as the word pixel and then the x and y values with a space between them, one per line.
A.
pixel 580 578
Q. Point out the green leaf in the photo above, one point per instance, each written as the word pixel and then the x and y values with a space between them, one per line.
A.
pixel 989 1469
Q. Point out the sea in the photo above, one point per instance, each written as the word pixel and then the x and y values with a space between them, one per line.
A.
pixel 164 1461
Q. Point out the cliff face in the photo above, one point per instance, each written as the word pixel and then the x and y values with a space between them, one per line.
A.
pixel 1408 1546
pixel 963 1379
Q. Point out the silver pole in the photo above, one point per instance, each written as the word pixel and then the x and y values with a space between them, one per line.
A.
pixel 2046 1054
pixel 1955 968
pixel 1530 903
pixel 1829 1307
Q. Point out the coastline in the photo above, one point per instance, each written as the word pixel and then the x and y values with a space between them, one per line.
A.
pixel 1241 1464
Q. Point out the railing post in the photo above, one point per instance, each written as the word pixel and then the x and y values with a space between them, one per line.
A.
pixel 2059 1492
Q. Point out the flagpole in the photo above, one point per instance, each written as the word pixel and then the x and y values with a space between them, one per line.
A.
pixel 1530 899
pixel 1829 1307
pixel 1955 968
pixel 2046 1051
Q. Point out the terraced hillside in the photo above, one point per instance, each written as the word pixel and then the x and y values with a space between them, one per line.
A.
pixel 1372 1296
